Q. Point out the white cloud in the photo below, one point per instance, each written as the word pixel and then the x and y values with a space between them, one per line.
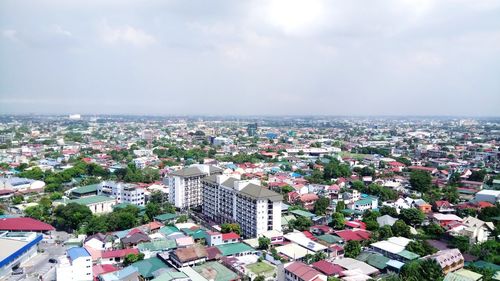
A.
pixel 427 59
pixel 10 34
pixel 125 34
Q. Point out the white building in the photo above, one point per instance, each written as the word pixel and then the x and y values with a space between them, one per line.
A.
pixel 76 266
pixel 477 230
pixel 17 249
pixel 492 196
pixel 21 184
pixel 185 187
pixel 254 208
pixel 122 192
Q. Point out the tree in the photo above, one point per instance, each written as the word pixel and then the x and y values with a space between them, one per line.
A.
pixel 97 224
pixel 152 210
pixel 182 219
pixel 340 206
pixel 434 230
pixel 421 248
pixel 131 258
pixel 259 278
pixel 420 180
pixel 372 225
pixel 412 216
pixel 231 227
pixel 338 221
pixel 264 243
pixel 37 212
pixel 478 175
pixel 352 249
pixel 385 232
pixel 430 270
pixel 17 199
pixel 71 216
pixel 387 210
pixel 301 223
pixel 399 228
pixel 460 242
pixel 321 205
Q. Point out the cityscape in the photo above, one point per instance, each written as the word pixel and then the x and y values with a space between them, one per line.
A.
pixel 256 140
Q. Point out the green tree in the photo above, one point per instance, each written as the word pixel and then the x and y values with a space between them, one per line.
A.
pixel 420 180
pixel 340 206
pixel 387 210
pixel 421 248
pixel 338 221
pixel 412 216
pixel 131 258
pixel 352 249
pixel 321 205
pixel 478 175
pixel 460 242
pixel 231 227
pixel 71 216
pixel 385 232
pixel 399 228
pixel 17 199
pixel 301 223
pixel 182 219
pixel 152 210
pixel 434 230
pixel 264 243
pixel 97 224
pixel 259 278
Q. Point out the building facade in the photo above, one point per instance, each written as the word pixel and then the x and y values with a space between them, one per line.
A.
pixel 77 266
pixel 122 192
pixel 254 208
pixel 185 186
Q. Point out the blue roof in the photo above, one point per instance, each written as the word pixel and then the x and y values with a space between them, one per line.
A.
pixel 77 252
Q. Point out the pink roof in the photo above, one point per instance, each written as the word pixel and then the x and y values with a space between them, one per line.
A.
pixel 348 235
pixel 184 241
pixel 118 253
pixel 230 236
pixel 303 271
pixel 99 269
pixel 308 197
pixel 24 224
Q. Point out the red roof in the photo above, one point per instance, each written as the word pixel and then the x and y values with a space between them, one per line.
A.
pixel 484 204
pixel 328 268
pixel 24 224
pixel 348 235
pixel 118 253
pixel 441 203
pixel 230 236
pixel 309 235
pixel 303 271
pixel 308 197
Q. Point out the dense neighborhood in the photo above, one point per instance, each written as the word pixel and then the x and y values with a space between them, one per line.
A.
pixel 265 198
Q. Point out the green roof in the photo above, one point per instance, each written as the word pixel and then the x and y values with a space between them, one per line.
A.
pixel 234 248
pixel 148 266
pixel 196 234
pixel 484 264
pixel 168 229
pixel 124 205
pixel 375 260
pixel 286 219
pixel 170 275
pixel 303 213
pixel 408 255
pixel 462 275
pixel 91 200
pixel 157 245
pixel 328 238
pixel 215 271
pixel 165 217
pixel 86 189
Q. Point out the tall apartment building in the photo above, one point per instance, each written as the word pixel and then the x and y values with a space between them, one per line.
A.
pixel 254 208
pixel 185 188
pixel 122 192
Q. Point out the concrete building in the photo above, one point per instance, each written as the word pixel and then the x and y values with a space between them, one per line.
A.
pixel 300 271
pixel 185 187
pixel 98 204
pixel 17 248
pixel 122 192
pixel 76 266
pixel 492 196
pixel 254 208
pixel 21 184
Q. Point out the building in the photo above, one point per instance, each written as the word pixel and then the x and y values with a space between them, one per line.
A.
pixel 21 184
pixel 76 266
pixel 492 196
pixel 300 271
pixel 185 187
pixel 477 230
pixel 17 248
pixel 189 256
pixel 98 204
pixel 254 208
pixel 123 192
pixel 252 129
pixel 450 260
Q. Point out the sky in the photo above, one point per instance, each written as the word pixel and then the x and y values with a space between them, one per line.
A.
pixel 255 57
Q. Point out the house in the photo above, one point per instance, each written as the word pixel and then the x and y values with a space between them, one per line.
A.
pixel 188 256
pixel 492 196
pixel 134 237
pixel 365 203
pixel 307 200
pixel 99 241
pixel 445 219
pixel 300 271
pixel 386 220
pixel 353 234
pixel 477 230
pixel 463 275
pixel 450 260
pixel 216 238
pixel 443 206
pixel 422 206
pixel 116 256
pixel 76 266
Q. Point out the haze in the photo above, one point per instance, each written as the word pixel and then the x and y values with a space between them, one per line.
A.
pixel 400 57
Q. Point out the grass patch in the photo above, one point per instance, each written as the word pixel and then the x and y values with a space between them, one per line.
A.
pixel 260 267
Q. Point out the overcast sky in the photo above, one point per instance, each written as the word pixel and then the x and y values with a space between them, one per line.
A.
pixel 351 57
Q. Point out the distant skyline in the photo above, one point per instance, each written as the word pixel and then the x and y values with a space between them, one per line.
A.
pixel 256 57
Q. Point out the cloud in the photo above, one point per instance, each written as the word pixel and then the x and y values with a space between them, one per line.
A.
pixel 125 34
pixel 10 34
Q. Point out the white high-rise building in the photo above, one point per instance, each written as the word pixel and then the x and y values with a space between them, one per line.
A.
pixel 185 187
pixel 229 200
pixel 122 192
